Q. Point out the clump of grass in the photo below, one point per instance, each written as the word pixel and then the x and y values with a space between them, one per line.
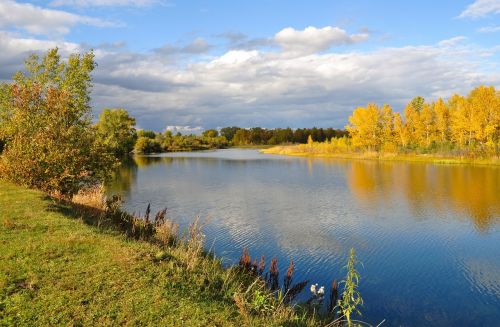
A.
pixel 194 243
pixel 93 197
pixel 166 231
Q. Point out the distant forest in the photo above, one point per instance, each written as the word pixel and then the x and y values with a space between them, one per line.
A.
pixel 258 135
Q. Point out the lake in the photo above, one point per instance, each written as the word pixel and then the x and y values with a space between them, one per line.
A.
pixel 428 235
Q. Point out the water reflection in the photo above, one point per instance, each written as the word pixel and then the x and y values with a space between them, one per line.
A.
pixel 124 177
pixel 472 191
pixel 427 234
pixel 466 190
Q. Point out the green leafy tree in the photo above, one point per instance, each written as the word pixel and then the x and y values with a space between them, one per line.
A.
pixel 46 124
pixel 228 132
pixel 210 133
pixel 147 145
pixel 145 133
pixel 116 130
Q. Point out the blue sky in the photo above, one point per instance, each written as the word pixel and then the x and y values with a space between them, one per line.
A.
pixel 268 63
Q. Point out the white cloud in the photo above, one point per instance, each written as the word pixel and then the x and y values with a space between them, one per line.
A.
pixel 481 8
pixel 186 130
pixel 489 29
pixel 13 50
pixel 452 41
pixel 103 3
pixel 197 46
pixel 41 21
pixel 269 87
pixel 312 39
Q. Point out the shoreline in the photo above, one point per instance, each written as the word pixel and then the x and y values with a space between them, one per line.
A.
pixel 286 151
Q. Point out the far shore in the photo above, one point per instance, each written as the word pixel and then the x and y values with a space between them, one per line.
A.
pixel 289 151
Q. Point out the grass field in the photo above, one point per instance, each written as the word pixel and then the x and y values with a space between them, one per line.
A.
pixel 59 268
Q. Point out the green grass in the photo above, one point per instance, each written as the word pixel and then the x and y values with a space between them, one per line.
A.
pixel 57 268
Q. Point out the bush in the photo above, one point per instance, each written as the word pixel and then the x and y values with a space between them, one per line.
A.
pixel 147 145
pixel 115 129
pixel 46 124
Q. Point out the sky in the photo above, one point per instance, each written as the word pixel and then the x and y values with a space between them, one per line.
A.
pixel 189 65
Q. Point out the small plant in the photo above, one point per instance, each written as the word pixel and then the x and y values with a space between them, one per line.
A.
pixel 262 302
pixel 195 243
pixel 317 296
pixel 166 231
pixel 288 277
pixel 334 296
pixel 351 298
pixel 262 266
pixel 272 281
pixel 245 260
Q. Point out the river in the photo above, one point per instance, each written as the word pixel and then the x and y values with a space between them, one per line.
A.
pixel 427 235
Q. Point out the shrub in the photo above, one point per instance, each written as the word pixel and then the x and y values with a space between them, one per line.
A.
pixel 147 145
pixel 46 125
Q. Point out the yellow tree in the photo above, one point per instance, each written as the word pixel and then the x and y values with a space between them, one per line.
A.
pixel 442 120
pixel 416 129
pixel 364 127
pixel 484 107
pixel 400 130
pixel 459 114
pixel 427 125
pixel 387 126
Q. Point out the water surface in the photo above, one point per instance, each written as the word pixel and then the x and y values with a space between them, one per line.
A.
pixel 428 235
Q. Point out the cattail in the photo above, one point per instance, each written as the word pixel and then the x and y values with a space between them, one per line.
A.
pixel 245 260
pixel 273 275
pixel 262 265
pixel 334 295
pixel 160 217
pixel 288 277
pixel 148 211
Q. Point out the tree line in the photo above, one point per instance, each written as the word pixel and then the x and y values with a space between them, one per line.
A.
pixel 263 136
pixel 463 125
pixel 117 130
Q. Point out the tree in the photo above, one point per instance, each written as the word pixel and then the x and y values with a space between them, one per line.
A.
pixel 387 125
pixel 241 137
pixel 116 130
pixel 459 119
pixel 365 128
pixel 210 133
pixel 50 142
pixel 229 132
pixel 442 120
pixel 484 105
pixel 400 130
pixel 148 134
pixel 427 125
pixel 147 145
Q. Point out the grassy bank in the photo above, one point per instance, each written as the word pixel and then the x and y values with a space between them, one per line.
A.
pixel 302 151
pixel 59 266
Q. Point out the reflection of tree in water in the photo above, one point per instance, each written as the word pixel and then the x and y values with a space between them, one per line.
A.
pixel 123 177
pixel 143 161
pixel 469 190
